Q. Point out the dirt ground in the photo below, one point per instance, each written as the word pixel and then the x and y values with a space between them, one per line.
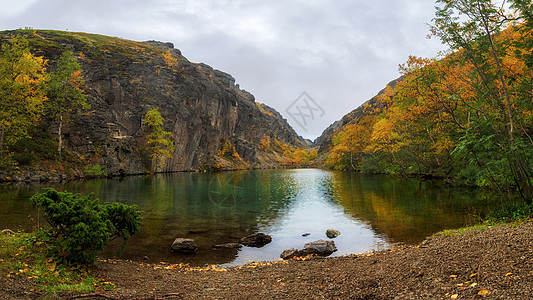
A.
pixel 492 263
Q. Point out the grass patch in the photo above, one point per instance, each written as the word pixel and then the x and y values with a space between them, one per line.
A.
pixel 23 257
pixel 84 287
pixel 461 231
pixel 94 171
pixel 513 214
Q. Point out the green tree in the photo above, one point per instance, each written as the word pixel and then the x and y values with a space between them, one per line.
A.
pixel 81 227
pixel 523 10
pixel 22 76
pixel 65 92
pixel 159 145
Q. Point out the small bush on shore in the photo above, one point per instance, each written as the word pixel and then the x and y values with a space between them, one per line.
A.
pixel 512 213
pixel 81 227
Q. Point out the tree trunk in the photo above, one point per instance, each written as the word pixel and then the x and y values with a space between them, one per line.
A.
pixel 500 75
pixel 2 132
pixel 59 135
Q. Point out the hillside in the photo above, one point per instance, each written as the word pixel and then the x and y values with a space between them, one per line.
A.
pixel 325 141
pixel 202 107
pixel 465 117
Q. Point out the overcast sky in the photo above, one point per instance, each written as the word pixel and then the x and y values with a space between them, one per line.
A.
pixel 341 53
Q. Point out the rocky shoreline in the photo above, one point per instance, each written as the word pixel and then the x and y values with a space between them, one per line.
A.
pixel 476 263
pixel 39 175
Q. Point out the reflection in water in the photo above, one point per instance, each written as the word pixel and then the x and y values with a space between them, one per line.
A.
pixel 408 210
pixel 372 212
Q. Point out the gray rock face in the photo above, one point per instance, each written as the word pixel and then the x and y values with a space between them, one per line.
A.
pixel 320 247
pixel 332 233
pixel 184 245
pixel 202 107
pixel 256 240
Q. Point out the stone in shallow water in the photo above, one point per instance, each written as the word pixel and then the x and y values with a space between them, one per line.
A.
pixel 228 246
pixel 320 247
pixel 184 245
pixel 332 233
pixel 256 240
pixel 290 253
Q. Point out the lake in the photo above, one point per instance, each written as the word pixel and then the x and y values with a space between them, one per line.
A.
pixel 372 212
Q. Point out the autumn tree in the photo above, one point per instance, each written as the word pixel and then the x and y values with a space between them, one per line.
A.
pixel 65 92
pixel 496 137
pixel 228 151
pixel 420 120
pixel 22 76
pixel 467 115
pixel 159 145
pixel 349 145
pixel 264 143
pixel 170 59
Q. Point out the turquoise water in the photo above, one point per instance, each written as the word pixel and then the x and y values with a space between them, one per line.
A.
pixel 373 212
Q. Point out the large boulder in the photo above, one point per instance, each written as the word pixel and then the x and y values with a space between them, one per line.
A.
pixel 332 233
pixel 320 247
pixel 290 253
pixel 184 245
pixel 256 240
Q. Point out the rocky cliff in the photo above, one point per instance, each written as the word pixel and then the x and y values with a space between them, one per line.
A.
pixel 202 107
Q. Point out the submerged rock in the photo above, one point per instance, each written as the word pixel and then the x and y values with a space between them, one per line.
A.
pixel 320 247
pixel 256 240
pixel 332 233
pixel 184 245
pixel 228 246
pixel 199 230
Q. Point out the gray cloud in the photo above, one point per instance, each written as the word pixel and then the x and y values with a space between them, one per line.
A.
pixel 340 52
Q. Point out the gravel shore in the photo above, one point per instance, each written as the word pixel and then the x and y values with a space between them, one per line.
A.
pixel 483 263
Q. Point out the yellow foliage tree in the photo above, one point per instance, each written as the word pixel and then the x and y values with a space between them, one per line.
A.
pixel 22 76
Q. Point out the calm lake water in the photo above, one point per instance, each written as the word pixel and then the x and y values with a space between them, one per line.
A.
pixel 373 212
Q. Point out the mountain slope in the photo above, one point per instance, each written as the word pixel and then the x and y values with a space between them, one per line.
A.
pixel 202 107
